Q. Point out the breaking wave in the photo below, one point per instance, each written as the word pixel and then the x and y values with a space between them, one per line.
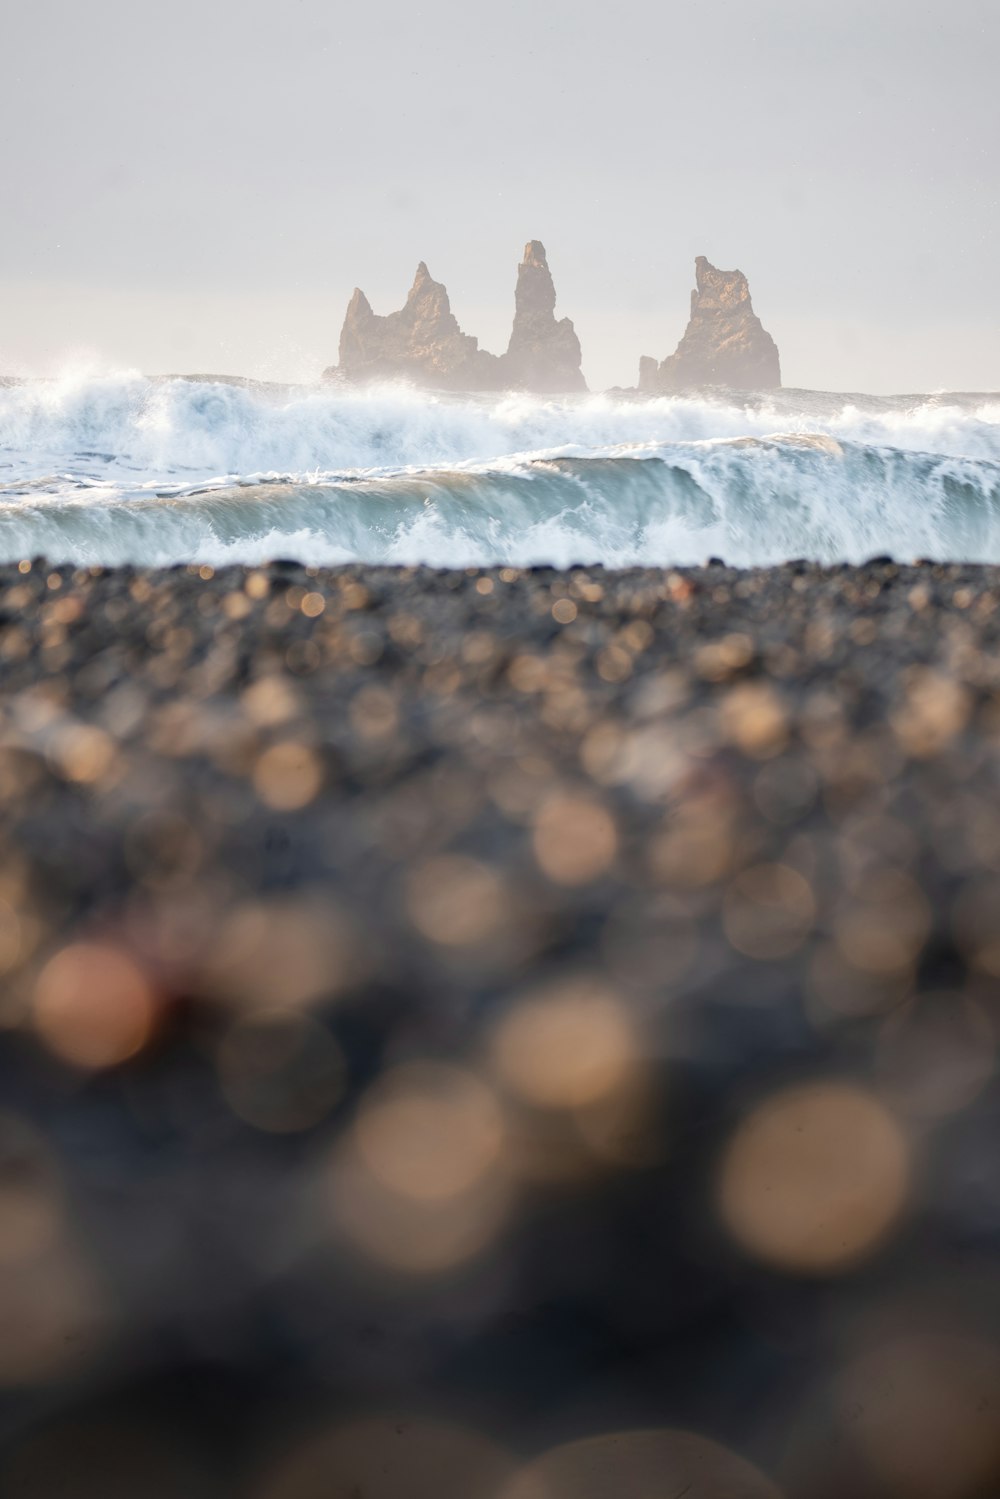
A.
pixel 124 469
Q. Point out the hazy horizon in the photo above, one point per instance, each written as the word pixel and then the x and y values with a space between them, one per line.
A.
pixel 201 189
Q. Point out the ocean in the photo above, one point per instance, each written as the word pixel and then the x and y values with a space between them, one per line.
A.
pixel 119 468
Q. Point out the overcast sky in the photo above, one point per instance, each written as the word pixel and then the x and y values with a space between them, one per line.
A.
pixel 199 185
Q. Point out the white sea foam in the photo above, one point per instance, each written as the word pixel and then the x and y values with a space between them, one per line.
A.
pixel 120 468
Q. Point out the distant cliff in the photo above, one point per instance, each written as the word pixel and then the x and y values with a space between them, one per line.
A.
pixel 724 343
pixel 423 342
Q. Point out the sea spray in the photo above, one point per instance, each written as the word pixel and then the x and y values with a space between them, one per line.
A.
pixel 123 469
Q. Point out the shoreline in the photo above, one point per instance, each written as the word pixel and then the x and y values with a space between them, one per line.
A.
pixel 584 663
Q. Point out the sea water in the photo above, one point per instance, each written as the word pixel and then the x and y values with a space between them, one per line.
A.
pixel 120 468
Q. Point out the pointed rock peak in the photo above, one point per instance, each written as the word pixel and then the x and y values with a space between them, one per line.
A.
pixel 428 297
pixel 422 278
pixel 543 354
pixel 725 287
pixel 535 293
pixel 724 343
pixel 421 342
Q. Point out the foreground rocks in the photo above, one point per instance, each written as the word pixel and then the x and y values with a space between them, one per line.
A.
pixel 423 343
pixel 450 1015
pixel 724 343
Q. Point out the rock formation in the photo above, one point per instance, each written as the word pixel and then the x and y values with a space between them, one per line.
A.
pixel 723 344
pixel 423 342
pixel 543 354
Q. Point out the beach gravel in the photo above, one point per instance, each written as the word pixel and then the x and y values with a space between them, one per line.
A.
pixel 542 1003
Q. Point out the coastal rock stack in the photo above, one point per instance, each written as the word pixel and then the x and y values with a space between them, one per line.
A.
pixel 544 353
pixel 724 343
pixel 423 342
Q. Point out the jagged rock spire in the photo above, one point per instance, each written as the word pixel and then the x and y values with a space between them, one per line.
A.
pixel 543 353
pixel 423 342
pixel 724 343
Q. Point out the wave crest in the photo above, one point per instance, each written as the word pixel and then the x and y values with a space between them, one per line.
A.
pixel 751 503
pixel 125 469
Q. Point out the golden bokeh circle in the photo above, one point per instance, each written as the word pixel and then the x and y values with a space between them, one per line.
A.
pixel 565 1047
pixel 814 1178
pixel 390 1457
pixel 456 901
pixel 922 1411
pixel 429 1130
pixel 288 776
pixel 649 1464
pixel 575 839
pixel 93 1006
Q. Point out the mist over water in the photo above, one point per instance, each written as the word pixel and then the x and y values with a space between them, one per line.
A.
pixel 119 468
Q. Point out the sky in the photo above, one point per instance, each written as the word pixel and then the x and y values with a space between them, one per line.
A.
pixel 199 185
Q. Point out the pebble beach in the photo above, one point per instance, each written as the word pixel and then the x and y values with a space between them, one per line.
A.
pixel 481 1010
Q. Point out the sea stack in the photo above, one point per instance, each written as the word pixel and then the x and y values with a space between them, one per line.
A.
pixel 422 342
pixel 724 343
pixel 544 352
